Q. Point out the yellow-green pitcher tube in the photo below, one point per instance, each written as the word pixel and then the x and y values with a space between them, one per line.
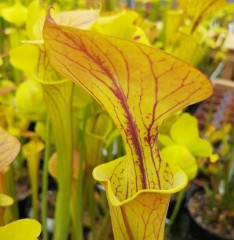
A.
pixel 58 98
pixel 141 216
pixel 148 207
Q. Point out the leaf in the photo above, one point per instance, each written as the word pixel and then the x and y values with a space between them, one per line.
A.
pixel 9 149
pixel 166 126
pixel 5 200
pixel 114 25
pixel 32 152
pixel 214 158
pixel 16 122
pixel 7 92
pixel 16 14
pixel 165 140
pixel 82 19
pixel 59 95
pixel 30 100
pixel 82 98
pixel 200 147
pixel 99 125
pixel 138 85
pixel 184 129
pixel 173 20
pixel 35 11
pixel 3 5
pixel 188 48
pixel 220 134
pixel 181 157
pixel 197 10
pixel 25 57
pixel 121 25
pixel 98 128
pixel 24 229
pixel 53 165
pixel 185 132
pixel 136 34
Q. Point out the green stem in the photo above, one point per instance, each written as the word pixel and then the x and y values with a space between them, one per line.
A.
pixel 45 180
pixel 208 192
pixel 33 167
pixel 102 229
pixel 34 186
pixel 91 205
pixel 231 166
pixel 11 192
pixel 79 209
pixel 74 217
pixel 62 212
pixel 177 207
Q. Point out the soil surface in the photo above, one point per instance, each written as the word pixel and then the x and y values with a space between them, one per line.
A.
pixel 22 188
pixel 211 218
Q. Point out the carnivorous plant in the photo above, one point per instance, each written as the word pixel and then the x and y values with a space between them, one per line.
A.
pixel 27 229
pixel 140 87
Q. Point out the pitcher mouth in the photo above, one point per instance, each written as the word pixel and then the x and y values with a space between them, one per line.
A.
pixel 103 173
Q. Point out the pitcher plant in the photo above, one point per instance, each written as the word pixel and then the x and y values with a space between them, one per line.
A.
pixel 21 229
pixel 140 87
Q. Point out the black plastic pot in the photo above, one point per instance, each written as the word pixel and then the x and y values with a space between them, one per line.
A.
pixel 24 207
pixel 196 229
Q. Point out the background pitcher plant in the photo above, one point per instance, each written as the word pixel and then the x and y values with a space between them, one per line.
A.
pixel 140 87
